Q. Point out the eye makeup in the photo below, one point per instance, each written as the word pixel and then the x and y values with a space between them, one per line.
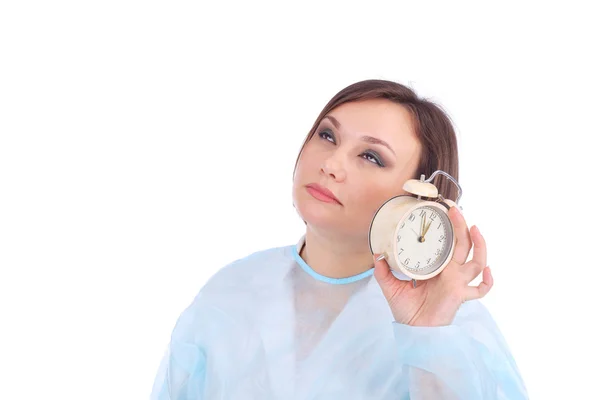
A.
pixel 369 155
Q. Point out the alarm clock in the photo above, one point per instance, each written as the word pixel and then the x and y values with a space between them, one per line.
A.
pixel 413 232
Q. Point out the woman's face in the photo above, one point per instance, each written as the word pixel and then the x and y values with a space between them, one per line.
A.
pixel 348 155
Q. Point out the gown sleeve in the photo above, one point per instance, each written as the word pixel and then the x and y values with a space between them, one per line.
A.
pixel 182 370
pixel 468 359
pixel 213 344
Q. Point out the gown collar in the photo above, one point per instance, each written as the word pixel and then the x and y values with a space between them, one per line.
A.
pixel 335 281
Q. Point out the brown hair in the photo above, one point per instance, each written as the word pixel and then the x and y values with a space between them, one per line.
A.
pixel 433 128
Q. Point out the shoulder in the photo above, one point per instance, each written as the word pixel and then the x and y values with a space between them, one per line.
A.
pixel 235 292
pixel 246 273
pixel 232 291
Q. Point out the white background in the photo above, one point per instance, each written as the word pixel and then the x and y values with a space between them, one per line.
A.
pixel 145 144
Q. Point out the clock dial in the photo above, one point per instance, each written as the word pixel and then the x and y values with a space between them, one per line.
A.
pixel 424 240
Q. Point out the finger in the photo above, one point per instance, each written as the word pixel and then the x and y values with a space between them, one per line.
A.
pixel 463 238
pixel 479 248
pixel 477 292
pixel 473 268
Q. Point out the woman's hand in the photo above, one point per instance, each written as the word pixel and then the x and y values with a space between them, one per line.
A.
pixel 434 302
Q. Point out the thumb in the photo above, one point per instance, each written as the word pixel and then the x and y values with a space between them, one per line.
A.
pixel 388 282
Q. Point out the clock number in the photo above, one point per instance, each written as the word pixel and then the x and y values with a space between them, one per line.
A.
pixel 412 217
pixel 398 239
pixel 442 238
pixel 402 226
pixel 406 261
pixel 439 226
pixel 418 263
pixel 401 250
pixel 438 252
pixel 432 216
pixel 423 212
pixel 428 261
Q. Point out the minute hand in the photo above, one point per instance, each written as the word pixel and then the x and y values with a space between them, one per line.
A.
pixel 427 228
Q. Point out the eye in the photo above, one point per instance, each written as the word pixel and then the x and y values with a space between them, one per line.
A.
pixel 327 136
pixel 370 156
pixel 373 157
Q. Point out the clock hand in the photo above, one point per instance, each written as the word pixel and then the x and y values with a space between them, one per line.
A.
pixel 427 229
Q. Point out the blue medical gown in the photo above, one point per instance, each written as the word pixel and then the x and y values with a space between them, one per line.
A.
pixel 269 327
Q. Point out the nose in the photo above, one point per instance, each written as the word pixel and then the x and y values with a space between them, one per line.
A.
pixel 334 169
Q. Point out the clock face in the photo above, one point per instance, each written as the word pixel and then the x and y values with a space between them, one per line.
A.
pixel 424 240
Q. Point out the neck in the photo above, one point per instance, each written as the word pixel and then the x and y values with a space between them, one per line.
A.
pixel 336 256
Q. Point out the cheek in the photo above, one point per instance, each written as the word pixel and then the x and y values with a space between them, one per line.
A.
pixel 370 197
pixel 308 164
pixel 303 175
pixel 300 173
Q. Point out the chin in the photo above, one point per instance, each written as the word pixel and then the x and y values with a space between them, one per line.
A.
pixel 315 212
pixel 328 217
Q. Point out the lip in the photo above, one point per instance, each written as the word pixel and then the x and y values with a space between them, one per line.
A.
pixel 322 193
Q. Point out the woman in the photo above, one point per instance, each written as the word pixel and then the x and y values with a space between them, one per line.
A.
pixel 323 319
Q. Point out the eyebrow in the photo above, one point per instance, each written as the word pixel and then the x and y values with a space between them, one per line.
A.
pixel 368 139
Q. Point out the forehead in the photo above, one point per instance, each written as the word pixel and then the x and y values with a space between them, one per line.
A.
pixel 379 118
